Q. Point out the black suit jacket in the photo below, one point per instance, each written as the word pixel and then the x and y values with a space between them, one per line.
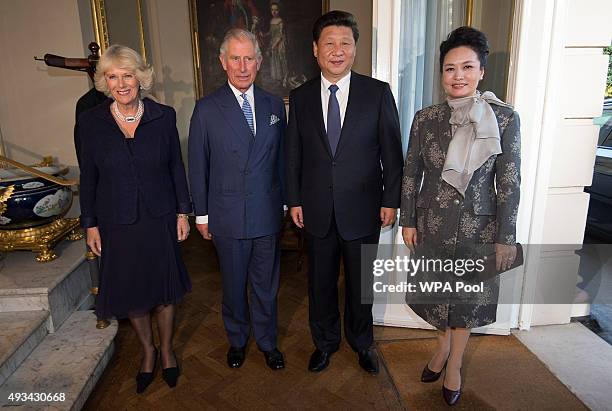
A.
pixel 111 177
pixel 364 174
pixel 88 100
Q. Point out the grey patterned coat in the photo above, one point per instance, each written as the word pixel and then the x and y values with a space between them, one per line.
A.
pixel 446 222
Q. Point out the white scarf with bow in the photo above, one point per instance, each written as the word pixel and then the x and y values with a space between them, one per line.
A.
pixel 475 137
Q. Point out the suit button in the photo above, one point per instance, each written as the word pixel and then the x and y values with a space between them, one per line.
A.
pixel 247 172
pixel 456 202
pixel 334 164
pixel 330 187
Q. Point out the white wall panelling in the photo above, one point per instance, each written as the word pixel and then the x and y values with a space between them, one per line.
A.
pixel 582 82
pixel 588 23
pixel 574 153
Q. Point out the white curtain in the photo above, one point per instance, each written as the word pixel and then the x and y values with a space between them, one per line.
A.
pixel 424 24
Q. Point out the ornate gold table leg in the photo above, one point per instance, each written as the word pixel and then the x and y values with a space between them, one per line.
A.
pixel 75 235
pixel 102 324
pixel 94 273
pixel 46 254
pixel 41 239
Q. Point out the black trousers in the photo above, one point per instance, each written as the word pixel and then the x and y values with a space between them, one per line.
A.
pixel 323 270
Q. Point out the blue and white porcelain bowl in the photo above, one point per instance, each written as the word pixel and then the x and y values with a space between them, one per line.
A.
pixel 35 201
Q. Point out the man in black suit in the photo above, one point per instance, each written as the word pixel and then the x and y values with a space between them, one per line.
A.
pixel 343 173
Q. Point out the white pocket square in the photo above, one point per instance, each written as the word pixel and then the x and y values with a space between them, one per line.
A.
pixel 274 119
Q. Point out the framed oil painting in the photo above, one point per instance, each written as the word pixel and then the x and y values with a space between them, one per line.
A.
pixel 284 32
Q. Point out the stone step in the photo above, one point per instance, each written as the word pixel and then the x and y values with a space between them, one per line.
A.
pixel 59 286
pixel 20 333
pixel 67 364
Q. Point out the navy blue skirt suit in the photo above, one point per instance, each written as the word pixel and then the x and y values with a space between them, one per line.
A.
pixel 132 189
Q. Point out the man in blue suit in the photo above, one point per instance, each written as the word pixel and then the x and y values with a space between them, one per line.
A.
pixel 235 173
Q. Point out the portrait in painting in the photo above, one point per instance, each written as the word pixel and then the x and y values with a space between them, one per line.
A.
pixel 283 29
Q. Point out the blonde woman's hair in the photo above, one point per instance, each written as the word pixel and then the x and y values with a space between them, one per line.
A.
pixel 124 58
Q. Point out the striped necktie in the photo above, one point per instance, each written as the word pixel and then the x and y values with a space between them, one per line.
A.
pixel 248 113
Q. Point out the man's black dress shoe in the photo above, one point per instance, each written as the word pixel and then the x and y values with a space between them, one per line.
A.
pixel 451 397
pixel 235 357
pixel 368 360
pixel 171 374
pixel 144 379
pixel 429 375
pixel 319 360
pixel 274 359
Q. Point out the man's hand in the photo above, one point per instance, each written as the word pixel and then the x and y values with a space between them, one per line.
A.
pixel 93 240
pixel 504 256
pixel 297 216
pixel 182 228
pixel 203 229
pixel 387 216
pixel 409 234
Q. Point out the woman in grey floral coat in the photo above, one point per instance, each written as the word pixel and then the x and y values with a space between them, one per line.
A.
pixel 460 191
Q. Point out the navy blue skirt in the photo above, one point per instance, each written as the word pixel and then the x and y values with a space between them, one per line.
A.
pixel 141 266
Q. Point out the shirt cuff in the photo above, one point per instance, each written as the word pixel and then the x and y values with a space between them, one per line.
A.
pixel 88 222
pixel 202 219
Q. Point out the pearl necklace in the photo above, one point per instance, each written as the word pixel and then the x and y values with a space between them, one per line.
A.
pixel 129 119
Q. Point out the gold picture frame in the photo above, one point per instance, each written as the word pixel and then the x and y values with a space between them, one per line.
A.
pixel 131 17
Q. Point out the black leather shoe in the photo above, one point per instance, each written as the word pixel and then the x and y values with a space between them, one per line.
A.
pixel 171 375
pixel 144 379
pixel 429 375
pixel 368 360
pixel 235 357
pixel 274 359
pixel 319 360
pixel 451 397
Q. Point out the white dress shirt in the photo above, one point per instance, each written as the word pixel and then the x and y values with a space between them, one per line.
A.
pixel 342 95
pixel 250 96
pixel 203 219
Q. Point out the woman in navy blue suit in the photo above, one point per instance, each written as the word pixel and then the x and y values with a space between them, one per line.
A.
pixel 134 205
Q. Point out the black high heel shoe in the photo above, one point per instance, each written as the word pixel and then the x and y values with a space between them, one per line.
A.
pixel 144 379
pixel 431 376
pixel 451 396
pixel 171 375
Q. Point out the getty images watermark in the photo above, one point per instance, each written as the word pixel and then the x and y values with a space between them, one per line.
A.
pixel 424 266
pixel 558 274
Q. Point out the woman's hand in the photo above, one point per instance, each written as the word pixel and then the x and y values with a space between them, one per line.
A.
pixel 410 237
pixel 504 256
pixel 93 240
pixel 182 228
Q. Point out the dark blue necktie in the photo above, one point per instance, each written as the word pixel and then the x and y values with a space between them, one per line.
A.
pixel 333 119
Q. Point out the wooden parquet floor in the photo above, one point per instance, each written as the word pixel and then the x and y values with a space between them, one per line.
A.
pixel 500 373
pixel 201 346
